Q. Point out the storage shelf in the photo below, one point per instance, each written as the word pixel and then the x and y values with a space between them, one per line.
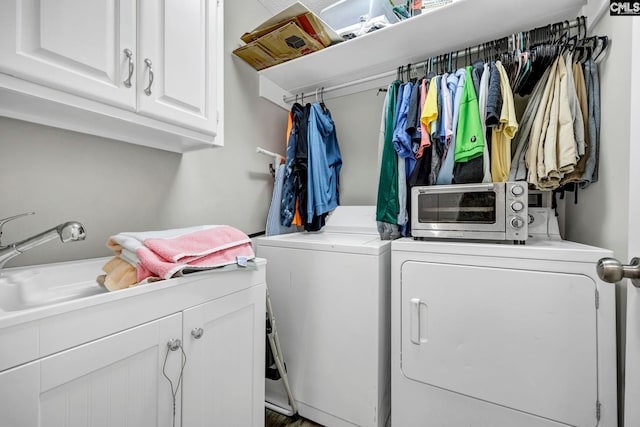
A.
pixel 461 24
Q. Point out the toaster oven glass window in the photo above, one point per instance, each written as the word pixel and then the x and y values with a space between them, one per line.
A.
pixel 469 208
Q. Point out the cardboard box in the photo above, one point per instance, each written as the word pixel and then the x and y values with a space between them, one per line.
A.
pixel 294 32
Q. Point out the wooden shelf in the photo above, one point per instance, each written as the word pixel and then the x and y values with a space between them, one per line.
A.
pixel 375 56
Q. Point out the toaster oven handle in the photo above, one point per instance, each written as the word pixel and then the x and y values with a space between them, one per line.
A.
pixel 460 188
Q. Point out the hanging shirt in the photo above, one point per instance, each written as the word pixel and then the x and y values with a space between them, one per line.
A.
pixel 574 107
pixel 425 140
pixel 482 108
pixel 494 97
pixel 447 111
pixel 503 133
pixel 430 110
pixel 324 163
pixel 290 186
pixel 455 85
pixel 402 145
pixel 581 92
pixel 387 201
pixel 593 96
pixel 521 141
pixel 469 137
pixel 535 152
pixel 559 155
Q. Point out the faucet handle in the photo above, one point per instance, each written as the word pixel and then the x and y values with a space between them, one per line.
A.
pixel 11 218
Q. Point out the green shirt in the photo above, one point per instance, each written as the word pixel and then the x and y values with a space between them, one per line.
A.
pixel 388 206
pixel 469 136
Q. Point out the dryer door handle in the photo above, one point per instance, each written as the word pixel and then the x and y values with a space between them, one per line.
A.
pixel 418 328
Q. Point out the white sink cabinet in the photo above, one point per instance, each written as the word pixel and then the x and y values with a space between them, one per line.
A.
pixel 99 361
pixel 141 71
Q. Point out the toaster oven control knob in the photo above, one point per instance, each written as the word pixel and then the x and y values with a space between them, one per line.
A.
pixel 517 222
pixel 517 206
pixel 517 190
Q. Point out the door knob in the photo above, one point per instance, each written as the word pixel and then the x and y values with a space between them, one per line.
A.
pixel 611 270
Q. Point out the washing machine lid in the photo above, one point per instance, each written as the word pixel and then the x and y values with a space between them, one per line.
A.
pixel 349 229
pixel 353 220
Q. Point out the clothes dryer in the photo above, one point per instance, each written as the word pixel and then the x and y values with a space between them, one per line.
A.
pixel 496 335
pixel 330 293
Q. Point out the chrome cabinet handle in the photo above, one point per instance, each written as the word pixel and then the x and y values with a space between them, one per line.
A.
pixel 611 270
pixel 197 333
pixel 129 54
pixel 147 91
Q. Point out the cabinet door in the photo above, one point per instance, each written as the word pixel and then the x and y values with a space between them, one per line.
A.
pixel 224 376
pixel 114 381
pixel 177 62
pixel 76 46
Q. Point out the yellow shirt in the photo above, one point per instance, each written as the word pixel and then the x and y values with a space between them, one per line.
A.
pixel 502 134
pixel 430 110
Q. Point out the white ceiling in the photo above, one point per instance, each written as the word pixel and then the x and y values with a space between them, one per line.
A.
pixel 275 6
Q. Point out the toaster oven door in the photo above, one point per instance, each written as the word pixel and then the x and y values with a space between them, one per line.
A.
pixel 474 208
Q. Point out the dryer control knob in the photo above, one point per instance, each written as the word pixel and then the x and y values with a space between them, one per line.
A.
pixel 517 206
pixel 517 190
pixel 517 222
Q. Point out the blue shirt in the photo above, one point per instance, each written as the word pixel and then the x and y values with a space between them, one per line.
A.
pixel 324 163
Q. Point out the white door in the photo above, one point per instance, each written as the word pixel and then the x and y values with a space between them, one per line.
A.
pixel 77 46
pixel 632 365
pixel 114 381
pixel 532 348
pixel 177 62
pixel 224 378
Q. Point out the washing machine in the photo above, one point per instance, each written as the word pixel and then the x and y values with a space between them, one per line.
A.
pixel 330 293
pixel 497 335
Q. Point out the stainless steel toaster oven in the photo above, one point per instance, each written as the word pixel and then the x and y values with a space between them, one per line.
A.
pixel 493 211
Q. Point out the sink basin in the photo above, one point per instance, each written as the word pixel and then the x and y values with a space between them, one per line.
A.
pixel 23 288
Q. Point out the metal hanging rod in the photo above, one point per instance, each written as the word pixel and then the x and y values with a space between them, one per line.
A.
pixel 451 56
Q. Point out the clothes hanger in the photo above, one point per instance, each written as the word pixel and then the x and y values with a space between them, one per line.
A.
pixel 604 42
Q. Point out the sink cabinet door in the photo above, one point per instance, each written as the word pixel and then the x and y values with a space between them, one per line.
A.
pixel 113 381
pixel 76 46
pixel 224 376
pixel 178 47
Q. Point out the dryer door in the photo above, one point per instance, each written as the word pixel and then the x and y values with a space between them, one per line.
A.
pixel 521 339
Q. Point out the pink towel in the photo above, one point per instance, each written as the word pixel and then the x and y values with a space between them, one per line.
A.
pixel 199 250
pixel 197 244
pixel 153 265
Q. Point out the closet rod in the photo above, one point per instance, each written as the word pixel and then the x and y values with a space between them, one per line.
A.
pixel 469 51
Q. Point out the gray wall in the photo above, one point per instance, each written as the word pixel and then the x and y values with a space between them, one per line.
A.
pixel 111 186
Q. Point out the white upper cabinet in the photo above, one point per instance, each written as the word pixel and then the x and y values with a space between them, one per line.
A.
pixel 177 68
pixel 142 71
pixel 77 46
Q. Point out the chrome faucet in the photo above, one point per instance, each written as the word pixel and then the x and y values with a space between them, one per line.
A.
pixel 68 232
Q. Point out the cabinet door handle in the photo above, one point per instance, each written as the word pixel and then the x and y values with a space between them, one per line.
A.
pixel 147 91
pixel 197 333
pixel 129 55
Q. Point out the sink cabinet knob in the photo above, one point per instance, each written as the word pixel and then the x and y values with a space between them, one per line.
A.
pixel 197 333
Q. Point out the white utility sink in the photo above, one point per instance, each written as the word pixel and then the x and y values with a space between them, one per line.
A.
pixel 28 287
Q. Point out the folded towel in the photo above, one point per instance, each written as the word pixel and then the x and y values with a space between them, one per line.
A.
pixel 197 244
pixel 151 264
pixel 164 254
pixel 127 243
pixel 119 274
